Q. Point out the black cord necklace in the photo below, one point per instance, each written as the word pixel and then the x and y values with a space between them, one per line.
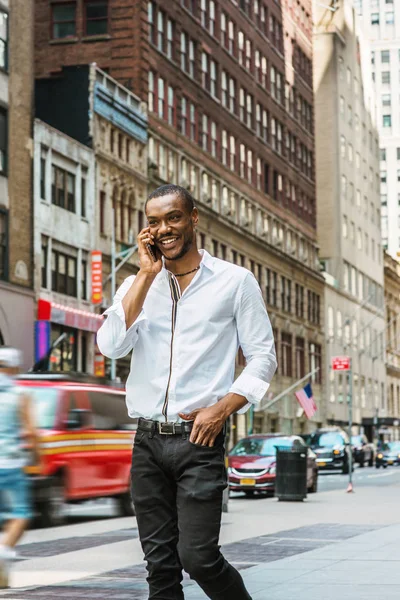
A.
pixel 188 272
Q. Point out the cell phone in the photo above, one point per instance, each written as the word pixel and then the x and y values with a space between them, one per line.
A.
pixel 152 252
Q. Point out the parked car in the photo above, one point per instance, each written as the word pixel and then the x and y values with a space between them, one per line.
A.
pixel 388 454
pixel 86 440
pixel 252 463
pixel 331 445
pixel 363 450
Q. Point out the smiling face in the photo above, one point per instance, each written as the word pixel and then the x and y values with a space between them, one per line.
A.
pixel 172 225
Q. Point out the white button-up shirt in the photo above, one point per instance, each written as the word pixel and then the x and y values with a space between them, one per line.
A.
pixel 184 345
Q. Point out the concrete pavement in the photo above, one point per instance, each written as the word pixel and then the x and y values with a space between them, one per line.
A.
pixel 332 545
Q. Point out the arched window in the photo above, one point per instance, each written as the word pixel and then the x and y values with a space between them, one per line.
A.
pixel 123 216
pixel 116 209
pixel 131 217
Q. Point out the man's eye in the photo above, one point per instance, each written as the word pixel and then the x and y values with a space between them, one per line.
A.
pixel 174 218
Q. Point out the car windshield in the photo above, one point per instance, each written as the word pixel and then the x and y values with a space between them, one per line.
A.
pixel 391 446
pixel 44 402
pixel 326 440
pixel 261 446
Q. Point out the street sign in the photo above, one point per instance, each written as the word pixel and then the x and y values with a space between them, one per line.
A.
pixel 341 363
pixel 97 285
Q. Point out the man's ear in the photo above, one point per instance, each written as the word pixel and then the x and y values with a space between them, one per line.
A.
pixel 195 217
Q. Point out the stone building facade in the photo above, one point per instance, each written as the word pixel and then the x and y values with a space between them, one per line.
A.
pixel 387 425
pixel 16 101
pixel 230 99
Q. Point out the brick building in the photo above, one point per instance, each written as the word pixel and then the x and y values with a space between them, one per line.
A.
pixel 16 100
pixel 230 99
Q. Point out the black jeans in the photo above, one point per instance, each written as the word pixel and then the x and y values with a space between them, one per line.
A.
pixel 177 491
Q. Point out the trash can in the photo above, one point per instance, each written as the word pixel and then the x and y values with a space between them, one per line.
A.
pixel 291 473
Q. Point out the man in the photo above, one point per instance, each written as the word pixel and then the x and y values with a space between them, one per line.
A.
pixel 16 431
pixel 185 314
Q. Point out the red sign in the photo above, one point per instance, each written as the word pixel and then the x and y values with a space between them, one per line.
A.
pixel 97 277
pixel 341 363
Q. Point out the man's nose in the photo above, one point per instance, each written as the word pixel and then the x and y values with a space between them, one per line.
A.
pixel 164 228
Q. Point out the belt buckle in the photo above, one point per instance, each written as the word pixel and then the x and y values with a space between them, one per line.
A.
pixel 161 425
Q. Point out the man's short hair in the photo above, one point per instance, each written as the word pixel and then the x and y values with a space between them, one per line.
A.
pixel 171 188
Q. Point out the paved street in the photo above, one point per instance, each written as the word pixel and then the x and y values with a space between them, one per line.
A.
pixel 332 545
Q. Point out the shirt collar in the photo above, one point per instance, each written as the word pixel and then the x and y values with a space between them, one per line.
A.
pixel 207 262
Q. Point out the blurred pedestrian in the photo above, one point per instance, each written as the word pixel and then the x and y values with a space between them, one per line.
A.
pixel 185 314
pixel 17 433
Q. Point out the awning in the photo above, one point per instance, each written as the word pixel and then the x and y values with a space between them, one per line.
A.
pixel 70 317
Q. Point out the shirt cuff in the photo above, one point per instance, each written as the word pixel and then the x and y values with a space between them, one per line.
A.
pixel 118 310
pixel 252 388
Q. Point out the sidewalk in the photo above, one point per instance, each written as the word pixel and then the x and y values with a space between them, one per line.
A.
pixel 334 545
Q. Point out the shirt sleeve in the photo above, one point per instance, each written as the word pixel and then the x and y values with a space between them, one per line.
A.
pixel 113 339
pixel 257 342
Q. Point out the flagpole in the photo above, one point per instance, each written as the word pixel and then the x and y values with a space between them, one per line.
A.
pixel 289 389
pixel 350 487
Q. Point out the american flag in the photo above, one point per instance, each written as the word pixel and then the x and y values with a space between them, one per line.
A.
pixel 306 400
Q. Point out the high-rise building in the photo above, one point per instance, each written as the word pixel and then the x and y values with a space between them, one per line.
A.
pixel 348 209
pixel 16 101
pixel 229 92
pixel 380 22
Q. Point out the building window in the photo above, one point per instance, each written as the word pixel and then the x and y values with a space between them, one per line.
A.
pixel 83 197
pixel 387 120
pixel 96 17
pixel 43 264
pixel 193 122
pixel 64 20
pixel 385 56
pixel 171 106
pixel 315 362
pixel 299 301
pixel 84 280
pixel 389 18
pixel 150 17
pixel 160 31
pixel 63 273
pixel 300 358
pixel 214 139
pixel 3 40
pixel 62 188
pixel 385 75
pixel 3 244
pixel 43 178
pixel 205 133
pixel 374 18
pixel 102 212
pixel 170 39
pixel 286 351
pixel 161 97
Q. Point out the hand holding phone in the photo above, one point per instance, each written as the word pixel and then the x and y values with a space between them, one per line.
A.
pixel 149 254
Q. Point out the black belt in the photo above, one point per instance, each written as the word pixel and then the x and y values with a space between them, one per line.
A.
pixel 165 428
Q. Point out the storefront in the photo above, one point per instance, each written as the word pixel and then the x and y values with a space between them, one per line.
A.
pixel 70 334
pixel 17 313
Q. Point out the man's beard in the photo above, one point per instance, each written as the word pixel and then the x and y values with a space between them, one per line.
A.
pixel 187 244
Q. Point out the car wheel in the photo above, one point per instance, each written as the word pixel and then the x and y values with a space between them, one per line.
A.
pixel 371 461
pixel 249 493
pixel 313 489
pixel 125 504
pixel 52 509
pixel 385 466
pixel 378 466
